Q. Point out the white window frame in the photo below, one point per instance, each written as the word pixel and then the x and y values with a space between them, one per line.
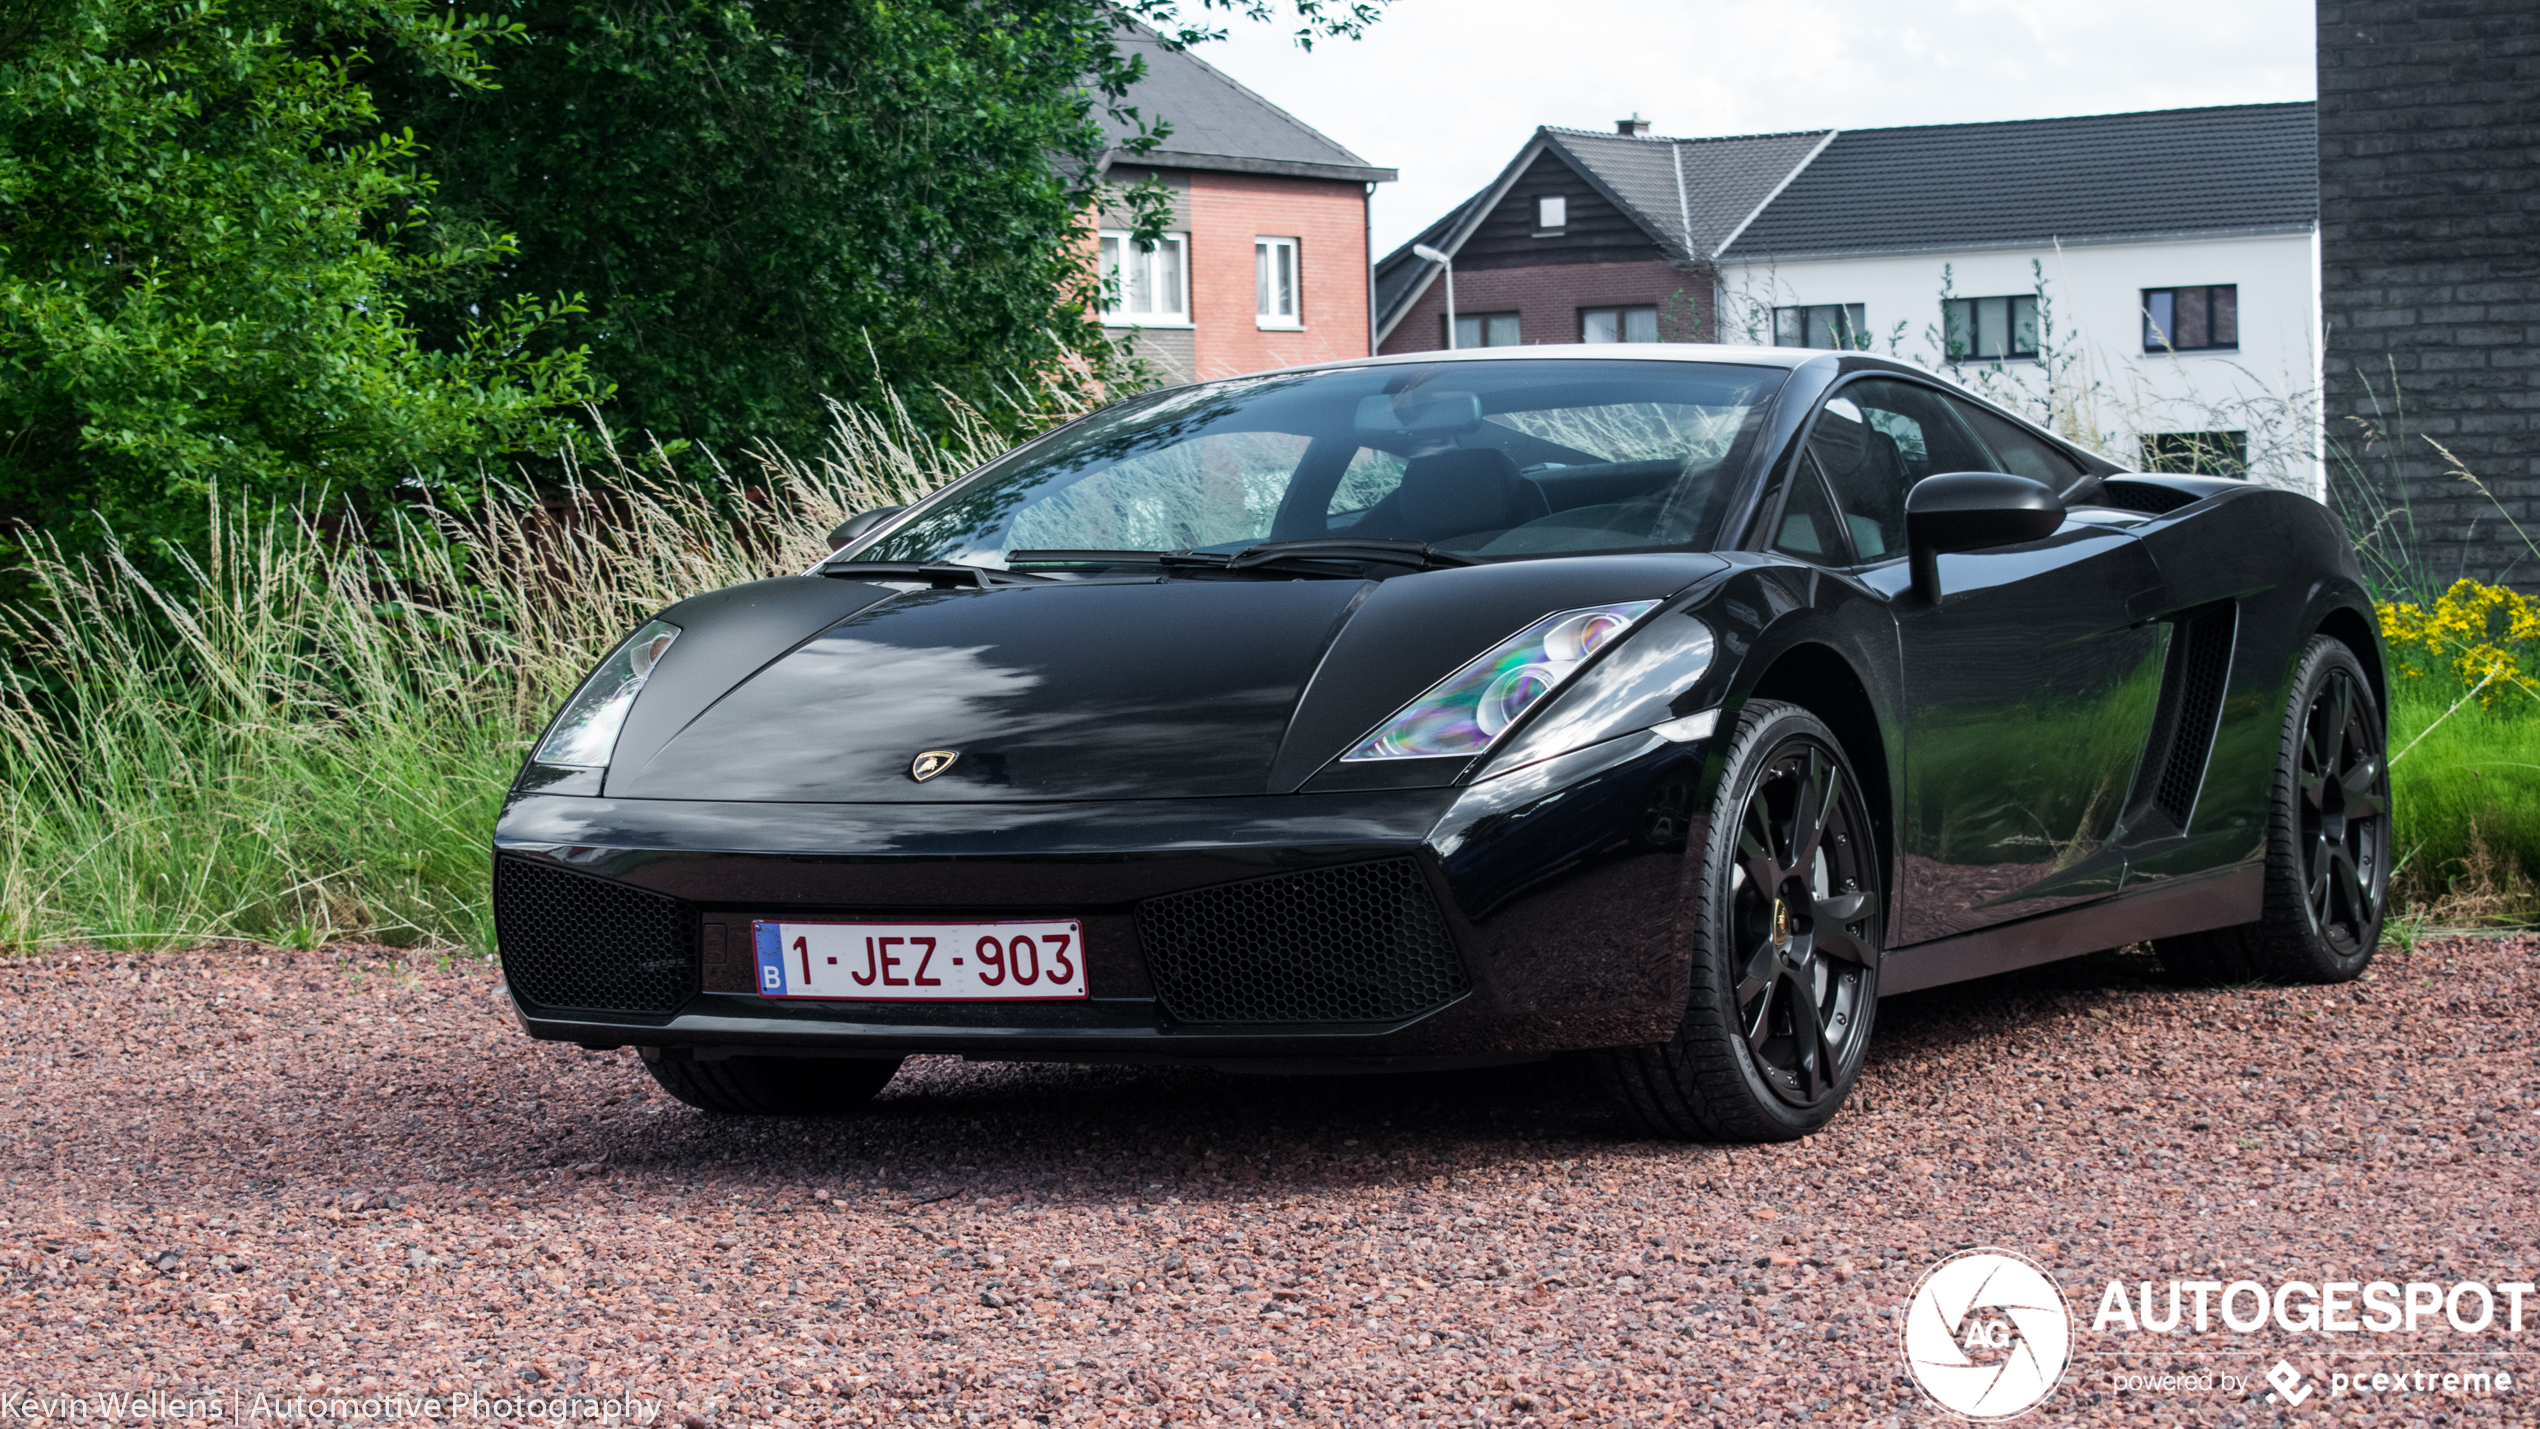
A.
pixel 1266 253
pixel 1622 315
pixel 1552 213
pixel 1170 248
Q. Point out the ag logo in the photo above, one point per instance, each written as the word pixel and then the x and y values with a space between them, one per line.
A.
pixel 931 763
pixel 1987 1335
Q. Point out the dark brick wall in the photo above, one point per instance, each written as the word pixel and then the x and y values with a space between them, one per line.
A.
pixel 1547 299
pixel 2430 270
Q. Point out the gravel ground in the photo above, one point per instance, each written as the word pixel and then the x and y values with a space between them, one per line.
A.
pixel 239 1173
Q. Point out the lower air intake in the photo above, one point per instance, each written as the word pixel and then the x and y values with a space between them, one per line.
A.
pixel 1359 943
pixel 571 941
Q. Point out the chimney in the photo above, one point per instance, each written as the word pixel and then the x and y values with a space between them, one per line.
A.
pixel 1634 126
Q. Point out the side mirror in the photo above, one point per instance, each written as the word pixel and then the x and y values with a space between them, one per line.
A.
pixel 1971 511
pixel 860 523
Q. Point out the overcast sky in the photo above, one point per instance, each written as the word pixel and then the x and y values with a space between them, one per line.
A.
pixel 1446 90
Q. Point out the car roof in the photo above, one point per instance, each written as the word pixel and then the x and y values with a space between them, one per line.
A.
pixel 1782 357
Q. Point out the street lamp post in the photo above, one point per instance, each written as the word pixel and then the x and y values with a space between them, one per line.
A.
pixel 1422 250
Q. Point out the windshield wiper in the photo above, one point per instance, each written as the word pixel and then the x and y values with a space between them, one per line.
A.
pixel 1416 555
pixel 934 573
pixel 1313 555
pixel 1214 560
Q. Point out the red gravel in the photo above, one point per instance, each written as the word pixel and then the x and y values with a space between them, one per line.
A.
pixel 242 1173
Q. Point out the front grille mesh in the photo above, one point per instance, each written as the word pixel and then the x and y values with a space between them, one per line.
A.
pixel 571 941
pixel 1359 943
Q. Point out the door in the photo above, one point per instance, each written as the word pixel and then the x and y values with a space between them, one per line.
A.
pixel 2030 687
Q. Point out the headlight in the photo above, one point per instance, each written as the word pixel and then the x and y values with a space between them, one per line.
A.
pixel 1467 710
pixel 586 733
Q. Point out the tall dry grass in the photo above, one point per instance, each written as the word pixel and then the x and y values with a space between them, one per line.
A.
pixel 305 736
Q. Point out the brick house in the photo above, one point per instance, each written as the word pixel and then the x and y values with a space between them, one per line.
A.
pixel 2429 179
pixel 1586 237
pixel 1266 263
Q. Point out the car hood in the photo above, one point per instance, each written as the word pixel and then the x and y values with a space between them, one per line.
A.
pixel 1067 690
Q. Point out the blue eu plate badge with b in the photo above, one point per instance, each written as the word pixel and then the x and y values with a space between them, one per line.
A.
pixel 771 959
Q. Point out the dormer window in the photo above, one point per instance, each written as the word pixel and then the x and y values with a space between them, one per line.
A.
pixel 1552 212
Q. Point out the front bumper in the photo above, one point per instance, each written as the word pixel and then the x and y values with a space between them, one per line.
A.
pixel 1560 889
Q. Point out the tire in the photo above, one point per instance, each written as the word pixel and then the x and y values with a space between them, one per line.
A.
pixel 775 1086
pixel 2328 841
pixel 1787 930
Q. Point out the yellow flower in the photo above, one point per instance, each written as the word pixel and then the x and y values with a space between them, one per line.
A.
pixel 2473 628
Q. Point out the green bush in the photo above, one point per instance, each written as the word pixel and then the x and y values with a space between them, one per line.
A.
pixel 308 734
pixel 204 252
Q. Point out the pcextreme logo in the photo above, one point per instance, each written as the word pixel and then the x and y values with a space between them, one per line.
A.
pixel 1987 1335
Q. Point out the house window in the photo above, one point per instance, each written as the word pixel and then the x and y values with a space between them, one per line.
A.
pixel 1824 325
pixel 1990 329
pixel 2191 319
pixel 1485 329
pixel 1618 324
pixel 1147 287
pixel 2197 453
pixel 1552 212
pixel 1274 283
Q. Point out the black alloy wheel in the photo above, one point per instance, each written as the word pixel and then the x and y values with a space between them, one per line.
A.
pixel 1786 947
pixel 1796 907
pixel 2343 810
pixel 2327 871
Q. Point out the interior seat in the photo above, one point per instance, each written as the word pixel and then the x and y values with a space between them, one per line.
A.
pixel 1470 492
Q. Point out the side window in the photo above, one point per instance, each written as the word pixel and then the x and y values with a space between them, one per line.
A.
pixel 2020 451
pixel 1810 529
pixel 1369 478
pixel 1875 439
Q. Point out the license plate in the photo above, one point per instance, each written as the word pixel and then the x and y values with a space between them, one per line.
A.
pixel 921 962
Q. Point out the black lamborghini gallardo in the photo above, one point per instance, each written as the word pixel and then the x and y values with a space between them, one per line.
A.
pixel 1668 704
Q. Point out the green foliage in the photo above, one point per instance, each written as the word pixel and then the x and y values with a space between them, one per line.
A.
pixel 304 737
pixel 776 203
pixel 2465 795
pixel 204 233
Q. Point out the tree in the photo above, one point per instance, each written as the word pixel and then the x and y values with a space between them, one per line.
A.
pixel 771 203
pixel 206 245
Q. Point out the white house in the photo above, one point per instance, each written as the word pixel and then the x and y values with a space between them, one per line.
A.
pixel 2148 282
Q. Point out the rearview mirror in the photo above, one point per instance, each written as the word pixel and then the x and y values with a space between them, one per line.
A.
pixel 861 522
pixel 1426 413
pixel 1973 511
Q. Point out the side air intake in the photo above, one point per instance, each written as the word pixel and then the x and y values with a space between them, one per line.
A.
pixel 2192 682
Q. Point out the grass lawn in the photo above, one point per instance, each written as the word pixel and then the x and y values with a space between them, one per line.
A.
pixel 2466 793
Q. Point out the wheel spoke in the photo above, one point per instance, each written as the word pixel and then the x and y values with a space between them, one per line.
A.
pixel 1841 908
pixel 1817 794
pixel 1808 1037
pixel 1839 941
pixel 1754 846
pixel 1759 1025
pixel 2363 787
pixel 1760 969
pixel 2320 870
pixel 2341 714
pixel 2350 883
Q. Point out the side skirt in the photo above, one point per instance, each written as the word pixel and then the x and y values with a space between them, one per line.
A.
pixel 2219 899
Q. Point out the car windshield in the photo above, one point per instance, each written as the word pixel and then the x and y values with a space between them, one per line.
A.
pixel 1483 459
